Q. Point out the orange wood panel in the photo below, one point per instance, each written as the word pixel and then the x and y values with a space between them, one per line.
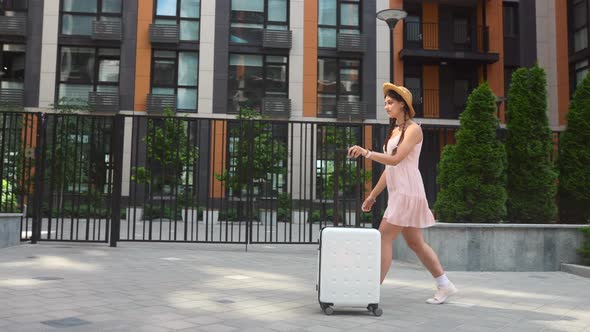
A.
pixel 398 45
pixel 310 59
pixel 495 71
pixel 143 57
pixel 563 96
pixel 430 95
pixel 217 157
pixel 430 25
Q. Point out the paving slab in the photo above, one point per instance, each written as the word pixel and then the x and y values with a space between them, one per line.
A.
pixel 213 287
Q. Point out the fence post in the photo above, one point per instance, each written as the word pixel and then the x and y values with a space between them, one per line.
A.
pixel 39 175
pixel 117 138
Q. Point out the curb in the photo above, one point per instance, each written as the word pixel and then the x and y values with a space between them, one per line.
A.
pixel 579 270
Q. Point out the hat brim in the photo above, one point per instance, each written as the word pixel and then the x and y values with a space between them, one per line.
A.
pixel 388 86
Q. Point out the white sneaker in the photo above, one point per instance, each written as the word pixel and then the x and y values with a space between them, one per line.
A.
pixel 442 294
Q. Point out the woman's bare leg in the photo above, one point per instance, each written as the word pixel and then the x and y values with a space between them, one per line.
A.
pixel 388 233
pixel 427 256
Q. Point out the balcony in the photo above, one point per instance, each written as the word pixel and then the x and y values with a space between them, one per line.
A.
pixel 452 41
pixel 347 42
pixel 107 30
pixel 277 39
pixel 13 25
pixel 276 107
pixel 104 101
pixel 158 103
pixel 351 110
pixel 164 33
pixel 12 97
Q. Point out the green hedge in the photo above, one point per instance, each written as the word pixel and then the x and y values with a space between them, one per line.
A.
pixel 532 179
pixel 472 173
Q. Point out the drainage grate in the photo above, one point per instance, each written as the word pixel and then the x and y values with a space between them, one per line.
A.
pixel 47 278
pixel 66 322
pixel 538 277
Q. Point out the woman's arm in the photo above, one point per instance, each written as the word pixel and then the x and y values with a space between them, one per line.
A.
pixel 412 137
pixel 372 198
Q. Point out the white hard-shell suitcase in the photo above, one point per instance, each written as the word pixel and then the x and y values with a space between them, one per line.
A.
pixel 349 263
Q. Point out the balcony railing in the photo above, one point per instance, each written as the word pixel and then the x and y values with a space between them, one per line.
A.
pixel 13 25
pixel 347 42
pixel 157 103
pixel 351 110
pixel 277 38
pixel 452 36
pixel 164 33
pixel 12 97
pixel 104 101
pixel 107 30
pixel 276 107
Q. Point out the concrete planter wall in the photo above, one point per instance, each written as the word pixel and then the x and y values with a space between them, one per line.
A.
pixel 9 229
pixel 499 247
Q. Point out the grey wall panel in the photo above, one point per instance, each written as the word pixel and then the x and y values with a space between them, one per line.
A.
pixel 33 53
pixel 528 33
pixel 221 64
pixel 128 55
pixel 369 74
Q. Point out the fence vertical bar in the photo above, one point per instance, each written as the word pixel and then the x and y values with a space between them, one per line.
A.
pixel 117 138
pixel 39 175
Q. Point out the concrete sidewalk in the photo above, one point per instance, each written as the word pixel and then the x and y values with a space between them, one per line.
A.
pixel 207 287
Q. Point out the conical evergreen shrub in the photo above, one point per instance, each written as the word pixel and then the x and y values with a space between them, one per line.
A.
pixel 472 173
pixel 532 179
pixel 574 159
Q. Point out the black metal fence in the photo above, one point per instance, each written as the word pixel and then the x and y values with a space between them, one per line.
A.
pixel 185 179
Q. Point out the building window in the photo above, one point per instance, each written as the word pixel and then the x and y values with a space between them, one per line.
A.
pixel 13 7
pixel 87 69
pixel 581 70
pixel 253 77
pixel 249 17
pixel 510 20
pixel 337 16
pixel 185 13
pixel 580 25
pixel 12 66
pixel 77 15
pixel 338 80
pixel 176 73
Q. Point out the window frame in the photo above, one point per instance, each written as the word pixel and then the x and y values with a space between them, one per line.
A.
pixel 176 86
pixel 179 19
pixel 266 22
pixel 3 11
pixel 97 16
pixel 230 109
pixel 338 82
pixel 338 27
pixel 24 52
pixel 96 70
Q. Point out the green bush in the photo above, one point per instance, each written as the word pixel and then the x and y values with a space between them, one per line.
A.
pixel 574 159
pixel 585 250
pixel 472 173
pixel 532 179
pixel 9 203
pixel 285 207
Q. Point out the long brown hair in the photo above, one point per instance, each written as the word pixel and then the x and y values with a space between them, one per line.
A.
pixel 393 122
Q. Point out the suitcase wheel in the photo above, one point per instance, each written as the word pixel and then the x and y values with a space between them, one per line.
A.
pixel 374 308
pixel 327 309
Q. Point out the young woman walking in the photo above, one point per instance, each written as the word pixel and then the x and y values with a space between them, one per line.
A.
pixel 407 208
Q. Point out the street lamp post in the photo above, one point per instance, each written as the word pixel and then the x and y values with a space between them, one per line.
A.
pixel 391 17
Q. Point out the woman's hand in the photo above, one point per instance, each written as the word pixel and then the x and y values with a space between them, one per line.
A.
pixel 357 151
pixel 368 204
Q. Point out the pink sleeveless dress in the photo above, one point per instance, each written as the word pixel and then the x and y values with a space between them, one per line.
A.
pixel 406 204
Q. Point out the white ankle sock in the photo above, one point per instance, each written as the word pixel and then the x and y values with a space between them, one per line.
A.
pixel 442 281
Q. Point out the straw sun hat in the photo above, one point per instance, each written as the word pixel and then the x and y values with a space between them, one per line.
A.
pixel 403 92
